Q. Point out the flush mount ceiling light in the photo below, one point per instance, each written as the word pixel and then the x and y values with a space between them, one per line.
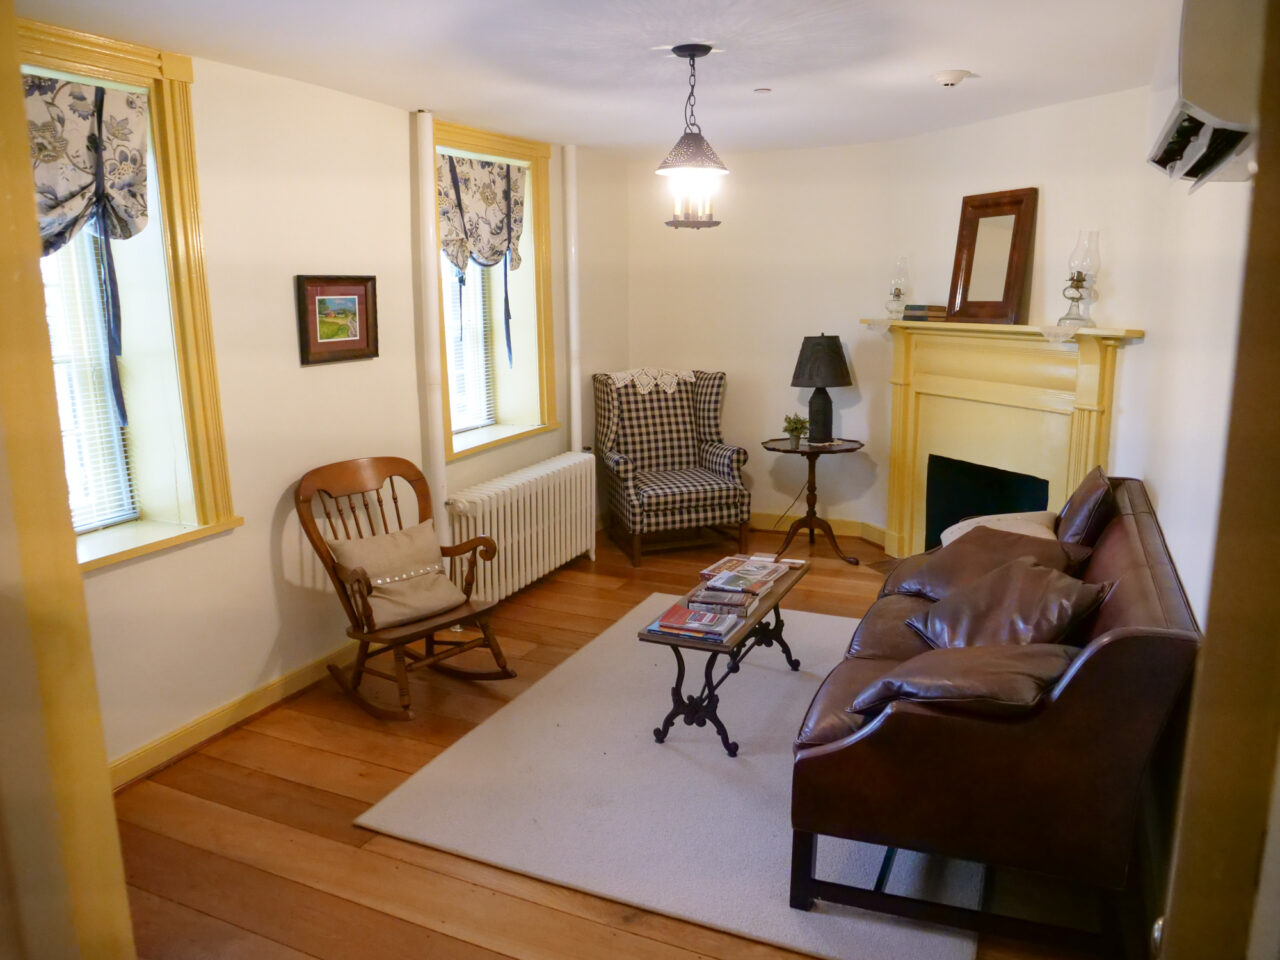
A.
pixel 952 78
pixel 692 167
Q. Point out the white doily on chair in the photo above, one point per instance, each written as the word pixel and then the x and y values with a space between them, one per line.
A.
pixel 646 378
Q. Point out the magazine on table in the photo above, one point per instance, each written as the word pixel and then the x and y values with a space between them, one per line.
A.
pixel 658 629
pixel 759 567
pixel 737 581
pixel 680 617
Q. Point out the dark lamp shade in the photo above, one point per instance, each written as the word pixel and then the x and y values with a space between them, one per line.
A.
pixel 821 364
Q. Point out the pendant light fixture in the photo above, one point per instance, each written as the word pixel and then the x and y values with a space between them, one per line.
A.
pixel 692 167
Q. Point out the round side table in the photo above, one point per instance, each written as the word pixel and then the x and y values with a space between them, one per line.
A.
pixel 811 520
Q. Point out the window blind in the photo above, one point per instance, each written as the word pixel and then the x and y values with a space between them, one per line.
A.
pixel 469 346
pixel 99 482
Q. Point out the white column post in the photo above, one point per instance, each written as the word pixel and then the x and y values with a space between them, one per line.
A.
pixel 427 286
pixel 574 311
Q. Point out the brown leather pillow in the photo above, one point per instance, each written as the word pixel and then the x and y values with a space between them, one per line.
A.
pixel 984 680
pixel 1088 510
pixel 976 554
pixel 1019 603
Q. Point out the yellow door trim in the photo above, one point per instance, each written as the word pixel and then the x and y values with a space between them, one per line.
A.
pixel 52 597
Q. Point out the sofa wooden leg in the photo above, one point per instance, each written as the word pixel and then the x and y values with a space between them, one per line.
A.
pixel 744 535
pixel 804 848
pixel 635 549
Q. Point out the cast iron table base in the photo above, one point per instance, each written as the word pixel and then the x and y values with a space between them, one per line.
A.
pixel 701 710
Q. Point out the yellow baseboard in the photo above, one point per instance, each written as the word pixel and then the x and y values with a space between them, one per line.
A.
pixel 138 763
pixel 843 528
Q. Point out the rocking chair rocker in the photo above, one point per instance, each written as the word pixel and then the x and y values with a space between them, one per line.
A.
pixel 347 498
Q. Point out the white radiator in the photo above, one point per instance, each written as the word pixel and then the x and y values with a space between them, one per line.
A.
pixel 540 517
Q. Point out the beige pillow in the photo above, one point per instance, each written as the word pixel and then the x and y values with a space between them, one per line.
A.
pixel 407 573
pixel 1033 523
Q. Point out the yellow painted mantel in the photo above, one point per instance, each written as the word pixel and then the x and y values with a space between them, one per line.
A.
pixel 1003 396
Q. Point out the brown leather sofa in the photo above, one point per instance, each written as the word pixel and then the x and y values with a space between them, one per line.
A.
pixel 1055 790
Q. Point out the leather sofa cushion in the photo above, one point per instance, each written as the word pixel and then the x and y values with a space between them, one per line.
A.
pixel 1019 603
pixel 883 632
pixel 1088 510
pixel 903 571
pixel 828 718
pixel 1034 523
pixel 1000 680
pixel 977 553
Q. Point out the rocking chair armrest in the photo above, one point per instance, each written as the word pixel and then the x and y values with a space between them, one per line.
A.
pixel 359 586
pixel 486 545
pixel 481 546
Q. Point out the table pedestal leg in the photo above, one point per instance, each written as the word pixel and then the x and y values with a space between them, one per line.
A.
pixel 811 520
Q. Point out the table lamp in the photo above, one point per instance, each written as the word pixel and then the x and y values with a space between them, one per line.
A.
pixel 820 365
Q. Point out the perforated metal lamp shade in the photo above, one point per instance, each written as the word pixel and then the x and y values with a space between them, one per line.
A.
pixel 821 364
pixel 691 152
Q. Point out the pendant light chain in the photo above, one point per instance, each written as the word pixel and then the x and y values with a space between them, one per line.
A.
pixel 690 120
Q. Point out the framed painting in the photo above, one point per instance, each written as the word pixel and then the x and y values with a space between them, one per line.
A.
pixel 337 318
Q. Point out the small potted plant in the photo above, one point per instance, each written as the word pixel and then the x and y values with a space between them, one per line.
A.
pixel 795 427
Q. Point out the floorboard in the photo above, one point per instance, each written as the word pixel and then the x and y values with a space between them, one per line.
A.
pixel 246 848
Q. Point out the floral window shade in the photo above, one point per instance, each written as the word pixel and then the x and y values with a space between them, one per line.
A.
pixel 88 150
pixel 88 158
pixel 481 204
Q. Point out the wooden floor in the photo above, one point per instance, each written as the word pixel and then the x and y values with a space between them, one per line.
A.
pixel 246 849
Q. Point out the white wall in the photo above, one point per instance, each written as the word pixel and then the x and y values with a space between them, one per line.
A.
pixel 808 242
pixel 603 264
pixel 294 179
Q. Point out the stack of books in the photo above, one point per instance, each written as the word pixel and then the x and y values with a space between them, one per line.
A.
pixel 706 600
pixel 680 621
pixel 923 311
pixel 743 575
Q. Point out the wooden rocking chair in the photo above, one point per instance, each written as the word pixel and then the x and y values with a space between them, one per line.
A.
pixel 349 498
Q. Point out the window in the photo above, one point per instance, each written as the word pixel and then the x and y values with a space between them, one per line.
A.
pixel 468 330
pixel 93 442
pixel 491 398
pixel 162 479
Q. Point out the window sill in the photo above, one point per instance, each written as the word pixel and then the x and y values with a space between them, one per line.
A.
pixel 126 541
pixel 486 438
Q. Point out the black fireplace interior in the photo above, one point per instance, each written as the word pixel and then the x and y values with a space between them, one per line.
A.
pixel 956 489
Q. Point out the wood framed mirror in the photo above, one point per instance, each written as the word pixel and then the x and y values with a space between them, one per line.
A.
pixel 991 279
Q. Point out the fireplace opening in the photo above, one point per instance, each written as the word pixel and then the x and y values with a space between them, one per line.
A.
pixel 956 489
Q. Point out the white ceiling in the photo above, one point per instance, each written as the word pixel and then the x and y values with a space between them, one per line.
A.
pixel 586 71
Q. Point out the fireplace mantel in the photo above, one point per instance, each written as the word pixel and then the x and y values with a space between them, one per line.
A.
pixel 1000 395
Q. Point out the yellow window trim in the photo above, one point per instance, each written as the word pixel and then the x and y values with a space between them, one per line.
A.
pixel 167 76
pixel 538 155
pixel 141 537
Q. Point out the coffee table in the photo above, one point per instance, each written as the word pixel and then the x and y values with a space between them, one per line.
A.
pixel 753 632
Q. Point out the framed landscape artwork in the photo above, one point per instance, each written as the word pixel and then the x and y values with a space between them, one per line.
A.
pixel 337 318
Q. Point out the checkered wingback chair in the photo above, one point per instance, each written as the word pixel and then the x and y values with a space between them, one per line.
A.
pixel 666 465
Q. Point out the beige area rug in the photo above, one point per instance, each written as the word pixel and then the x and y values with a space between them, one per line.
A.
pixel 566 784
